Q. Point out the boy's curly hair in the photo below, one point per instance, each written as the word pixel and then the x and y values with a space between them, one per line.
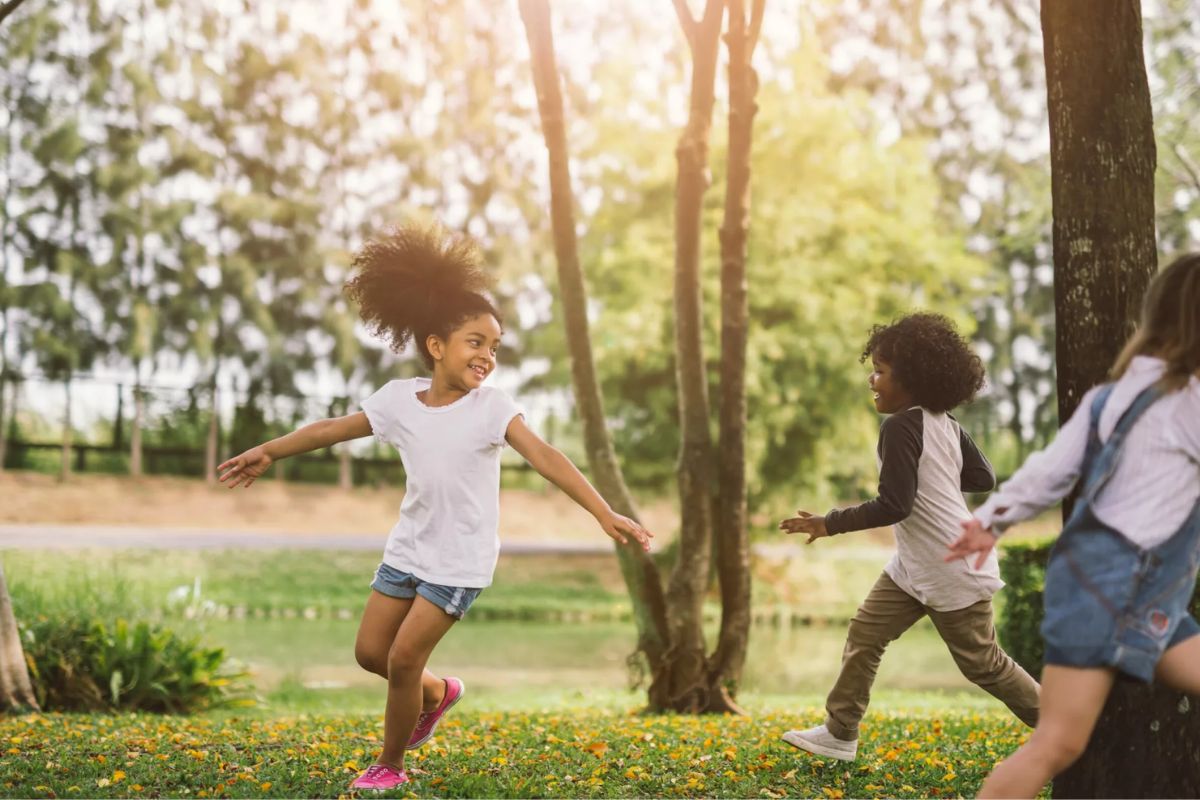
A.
pixel 416 282
pixel 929 358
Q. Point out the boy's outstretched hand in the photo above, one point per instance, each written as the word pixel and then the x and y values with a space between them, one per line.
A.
pixel 620 528
pixel 247 467
pixel 808 523
pixel 975 539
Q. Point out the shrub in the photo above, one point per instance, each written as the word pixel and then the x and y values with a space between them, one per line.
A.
pixel 1023 568
pixel 85 663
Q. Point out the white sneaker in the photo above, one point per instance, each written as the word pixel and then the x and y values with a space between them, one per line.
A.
pixel 819 741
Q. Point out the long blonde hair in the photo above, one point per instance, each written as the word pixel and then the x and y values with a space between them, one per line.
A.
pixel 1170 326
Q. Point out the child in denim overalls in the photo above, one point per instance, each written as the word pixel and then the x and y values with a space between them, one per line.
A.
pixel 423 286
pixel 1123 571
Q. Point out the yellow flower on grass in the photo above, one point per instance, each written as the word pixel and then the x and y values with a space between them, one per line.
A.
pixel 265 785
pixel 949 776
pixel 832 794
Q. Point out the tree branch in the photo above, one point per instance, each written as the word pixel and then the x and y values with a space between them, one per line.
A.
pixel 8 7
pixel 756 21
pixel 1188 165
pixel 686 21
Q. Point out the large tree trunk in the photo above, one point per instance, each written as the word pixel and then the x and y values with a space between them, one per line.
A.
pixel 641 576
pixel 16 692
pixel 689 579
pixel 1147 743
pixel 733 541
pixel 1102 159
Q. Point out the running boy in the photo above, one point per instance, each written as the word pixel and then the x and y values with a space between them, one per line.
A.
pixel 922 368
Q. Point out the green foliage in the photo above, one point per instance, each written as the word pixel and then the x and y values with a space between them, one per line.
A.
pixel 577 752
pixel 88 663
pixel 1023 568
pixel 851 238
pixel 95 640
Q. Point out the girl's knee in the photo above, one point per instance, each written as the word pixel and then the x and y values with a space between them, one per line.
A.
pixel 371 659
pixel 403 660
pixel 1060 748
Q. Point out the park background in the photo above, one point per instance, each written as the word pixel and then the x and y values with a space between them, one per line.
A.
pixel 183 186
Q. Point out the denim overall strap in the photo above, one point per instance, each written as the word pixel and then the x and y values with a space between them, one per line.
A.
pixel 1100 460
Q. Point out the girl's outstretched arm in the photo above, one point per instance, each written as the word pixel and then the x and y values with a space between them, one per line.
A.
pixel 244 469
pixel 558 469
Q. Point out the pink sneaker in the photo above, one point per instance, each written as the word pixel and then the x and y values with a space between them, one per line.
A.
pixel 427 723
pixel 380 778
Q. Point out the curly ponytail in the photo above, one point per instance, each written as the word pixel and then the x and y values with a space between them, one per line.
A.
pixel 417 282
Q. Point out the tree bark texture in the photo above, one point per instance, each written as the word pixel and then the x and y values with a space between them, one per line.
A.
pixel 640 573
pixel 1147 742
pixel 689 578
pixel 16 691
pixel 732 536
pixel 1102 158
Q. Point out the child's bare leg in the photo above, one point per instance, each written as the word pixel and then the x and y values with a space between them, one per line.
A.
pixel 381 619
pixel 1072 699
pixel 1179 667
pixel 423 627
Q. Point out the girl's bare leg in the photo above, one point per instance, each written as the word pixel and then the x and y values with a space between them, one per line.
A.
pixel 381 619
pixel 1179 667
pixel 1072 699
pixel 423 627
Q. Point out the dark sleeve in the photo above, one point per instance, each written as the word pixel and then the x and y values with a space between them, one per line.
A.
pixel 901 438
pixel 977 472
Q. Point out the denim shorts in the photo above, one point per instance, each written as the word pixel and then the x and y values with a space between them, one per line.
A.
pixel 454 600
pixel 1110 604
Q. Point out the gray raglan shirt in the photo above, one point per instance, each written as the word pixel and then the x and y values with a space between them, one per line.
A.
pixel 926 462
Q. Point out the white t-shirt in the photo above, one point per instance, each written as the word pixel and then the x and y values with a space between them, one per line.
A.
pixel 448 531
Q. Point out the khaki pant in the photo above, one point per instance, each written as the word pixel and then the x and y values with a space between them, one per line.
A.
pixel 969 633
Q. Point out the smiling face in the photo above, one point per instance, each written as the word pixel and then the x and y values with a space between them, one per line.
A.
pixel 465 359
pixel 889 395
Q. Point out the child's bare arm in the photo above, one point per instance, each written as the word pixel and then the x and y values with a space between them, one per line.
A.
pixel 558 469
pixel 245 468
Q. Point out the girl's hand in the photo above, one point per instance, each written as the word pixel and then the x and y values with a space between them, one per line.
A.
pixel 246 468
pixel 975 539
pixel 620 528
pixel 808 523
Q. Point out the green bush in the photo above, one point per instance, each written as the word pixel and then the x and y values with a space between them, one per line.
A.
pixel 1023 568
pixel 80 663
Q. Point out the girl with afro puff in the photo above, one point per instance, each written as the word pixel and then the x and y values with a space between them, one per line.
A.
pixel 921 370
pixel 425 286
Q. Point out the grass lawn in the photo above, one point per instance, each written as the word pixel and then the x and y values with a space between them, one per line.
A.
pixel 565 752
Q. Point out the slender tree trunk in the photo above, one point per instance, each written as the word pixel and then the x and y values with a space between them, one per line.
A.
pixel 345 467
pixel 64 470
pixel 16 691
pixel 3 416
pixel 689 579
pixel 210 444
pixel 135 433
pixel 1147 743
pixel 732 536
pixel 641 576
